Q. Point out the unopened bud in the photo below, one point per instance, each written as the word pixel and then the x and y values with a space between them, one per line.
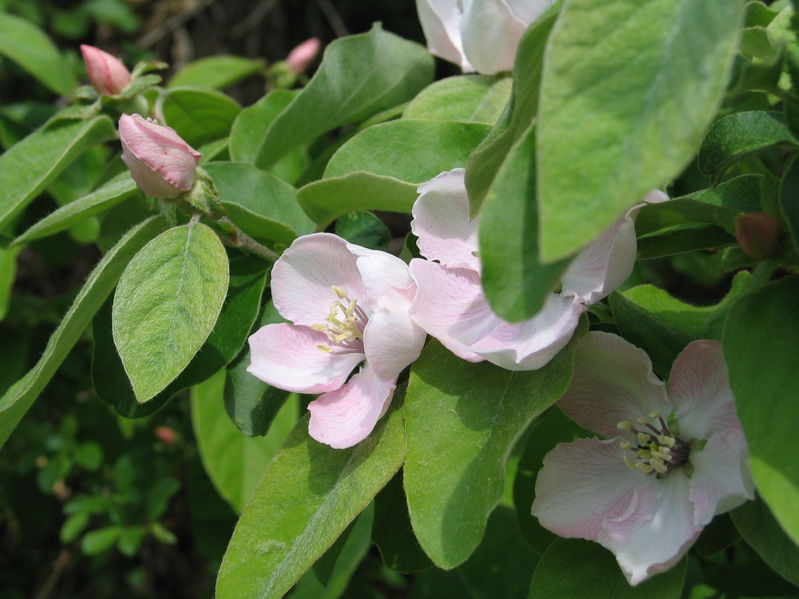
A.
pixel 301 57
pixel 107 74
pixel 758 233
pixel 161 163
pixel 165 434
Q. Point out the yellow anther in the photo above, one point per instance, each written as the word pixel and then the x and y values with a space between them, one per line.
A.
pixel 658 466
pixel 339 291
pixel 624 425
pixel 642 420
pixel 626 445
pixel 323 348
pixel 654 414
pixel 643 467
pixel 667 441
pixel 320 327
pixel 629 462
pixel 662 455
pixel 351 307
pixel 643 454
pixel 643 438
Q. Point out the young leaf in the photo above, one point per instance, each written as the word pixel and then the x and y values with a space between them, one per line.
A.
pixel 233 461
pixel 198 114
pixel 216 71
pixel 627 91
pixel 30 165
pixel 465 98
pixel 760 339
pixel 251 124
pixel 307 496
pixel 166 305
pixel 16 400
pixel 462 421
pixel 359 76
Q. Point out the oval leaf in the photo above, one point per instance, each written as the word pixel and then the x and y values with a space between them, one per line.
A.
pixel 216 71
pixel 198 114
pixel 166 305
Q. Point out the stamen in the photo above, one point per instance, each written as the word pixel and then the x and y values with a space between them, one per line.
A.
pixel 624 425
pixel 658 451
pixel 339 291
pixel 344 324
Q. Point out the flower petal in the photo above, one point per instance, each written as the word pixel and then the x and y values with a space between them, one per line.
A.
pixel 612 381
pixel 442 224
pixel 450 306
pixel 383 275
pixel 654 535
pixel 721 479
pixel 530 344
pixel 490 34
pixel 585 483
pixel 700 391
pixel 528 11
pixel 346 416
pixel 441 23
pixel 287 357
pixel 392 340
pixel 303 276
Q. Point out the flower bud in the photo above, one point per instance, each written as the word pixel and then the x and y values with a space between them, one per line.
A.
pixel 758 234
pixel 161 163
pixel 107 74
pixel 302 56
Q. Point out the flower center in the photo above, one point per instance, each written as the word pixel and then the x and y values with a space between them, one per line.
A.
pixel 344 324
pixel 657 449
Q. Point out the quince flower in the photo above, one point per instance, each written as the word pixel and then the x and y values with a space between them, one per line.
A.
pixel 450 304
pixel 672 460
pixel 478 35
pixel 348 305
pixel 107 74
pixel 161 163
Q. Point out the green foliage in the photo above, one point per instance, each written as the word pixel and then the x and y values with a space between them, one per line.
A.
pixel 216 72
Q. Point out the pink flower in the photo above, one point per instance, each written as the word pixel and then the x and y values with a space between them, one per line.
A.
pixel 348 305
pixel 478 35
pixel 671 461
pixel 302 56
pixel 107 74
pixel 450 304
pixel 160 162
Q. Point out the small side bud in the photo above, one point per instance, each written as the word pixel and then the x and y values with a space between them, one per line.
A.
pixel 758 233
pixel 161 163
pixel 107 74
pixel 303 55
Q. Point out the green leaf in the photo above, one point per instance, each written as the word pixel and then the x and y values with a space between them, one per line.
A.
pixel 789 199
pixel 17 399
pixel 233 461
pixel 577 568
pixel 216 71
pixel 760 340
pixel 199 115
pixel 89 455
pixel 99 540
pixel 428 148
pixel 29 47
pixel 131 539
pixel 307 496
pixel 363 228
pixel 760 529
pixel 737 135
pixel 681 239
pixel 73 526
pixel 627 91
pixel 324 201
pixel 8 272
pixel 359 76
pixel 251 124
pixel 462 421
pixel 166 305
pixel 515 282
pixel 29 166
pixel 662 325
pixel 262 205
pixel 114 191
pixel 473 98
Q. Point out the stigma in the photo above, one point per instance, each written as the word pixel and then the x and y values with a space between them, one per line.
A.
pixel 344 324
pixel 655 449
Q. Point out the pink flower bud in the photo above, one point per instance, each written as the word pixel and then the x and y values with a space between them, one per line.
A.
pixel 165 434
pixel 160 162
pixel 107 74
pixel 301 56
pixel 758 233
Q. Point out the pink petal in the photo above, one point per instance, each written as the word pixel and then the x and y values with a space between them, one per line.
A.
pixel 383 276
pixel 700 391
pixel 653 536
pixel 450 306
pixel 392 340
pixel 441 22
pixel 303 277
pixel 491 34
pixel 107 74
pixel 303 54
pixel 287 357
pixel 346 416
pixel 530 344
pixel 584 484
pixel 442 224
pixel 721 479
pixel 612 381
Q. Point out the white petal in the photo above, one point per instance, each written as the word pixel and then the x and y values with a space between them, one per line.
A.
pixel 532 343
pixel 303 276
pixel 700 391
pixel 654 536
pixel 612 381
pixel 442 224
pixel 584 484
pixel 392 340
pixel 383 275
pixel 441 23
pixel 528 11
pixel 287 357
pixel 346 416
pixel 721 479
pixel 490 34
